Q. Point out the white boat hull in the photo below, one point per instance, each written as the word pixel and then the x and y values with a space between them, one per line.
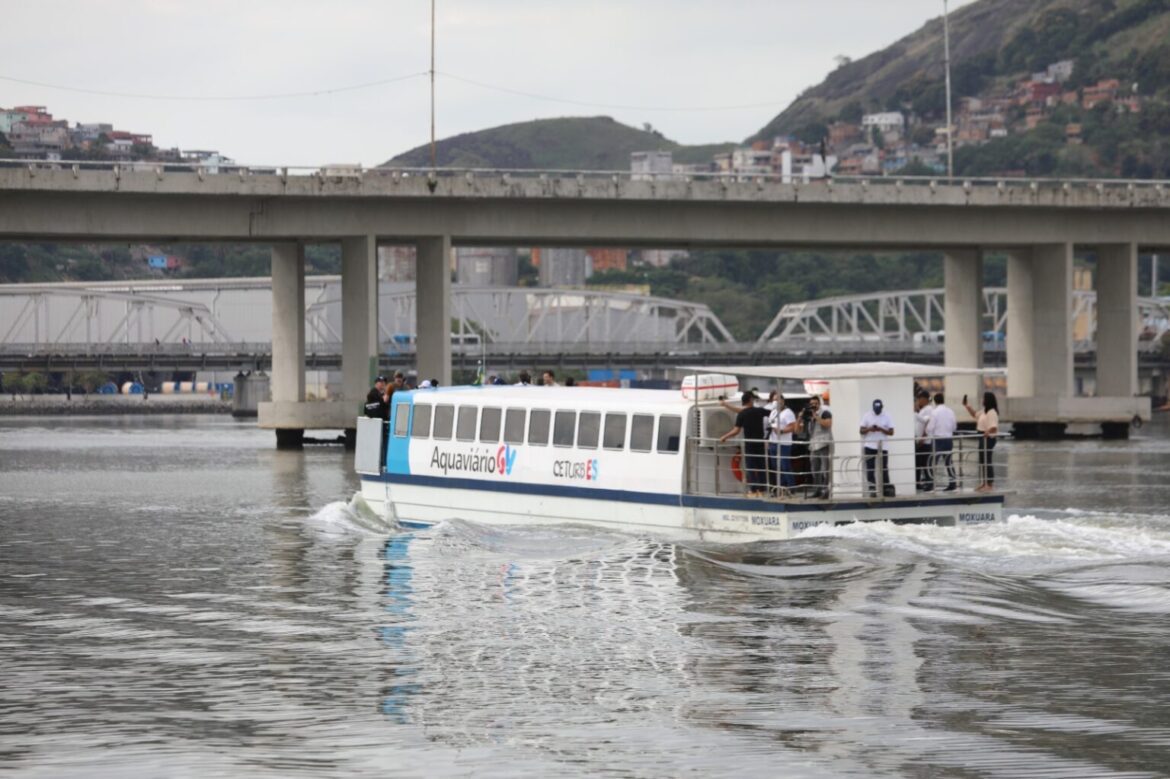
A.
pixel 713 519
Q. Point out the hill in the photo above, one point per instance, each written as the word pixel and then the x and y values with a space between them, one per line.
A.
pixel 570 143
pixel 996 46
pixel 990 40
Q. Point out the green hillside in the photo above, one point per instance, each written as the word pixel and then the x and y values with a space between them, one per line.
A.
pixel 996 46
pixel 571 143
pixel 994 41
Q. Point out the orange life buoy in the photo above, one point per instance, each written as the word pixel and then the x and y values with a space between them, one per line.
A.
pixel 737 466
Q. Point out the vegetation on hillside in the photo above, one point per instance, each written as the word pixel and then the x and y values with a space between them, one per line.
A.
pixel 1123 40
pixel 573 143
pixel 49 262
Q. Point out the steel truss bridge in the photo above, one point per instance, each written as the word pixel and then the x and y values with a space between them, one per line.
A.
pixel 915 318
pixel 224 325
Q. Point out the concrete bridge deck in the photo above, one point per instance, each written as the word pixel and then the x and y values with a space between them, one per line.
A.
pixel 1040 224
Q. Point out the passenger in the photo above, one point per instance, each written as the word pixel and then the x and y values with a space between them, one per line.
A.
pixel 425 384
pixel 524 380
pixel 549 379
pixel 941 431
pixel 378 400
pixel 876 428
pixel 570 382
pixel 399 383
pixel 987 423
pixel 783 422
pixel 434 382
pixel 819 420
pixel 923 479
pixel 751 421
pixel 773 442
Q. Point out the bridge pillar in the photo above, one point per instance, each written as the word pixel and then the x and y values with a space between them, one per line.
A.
pixel 1039 321
pixel 288 335
pixel 432 307
pixel 963 310
pixel 1117 320
pixel 359 319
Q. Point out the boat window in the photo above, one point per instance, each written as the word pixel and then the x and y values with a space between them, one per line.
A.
pixel 641 432
pixel 538 427
pixel 489 426
pixel 421 426
pixel 401 419
pixel 563 427
pixel 588 429
pixel 444 421
pixel 465 427
pixel 615 431
pixel 668 433
pixel 514 426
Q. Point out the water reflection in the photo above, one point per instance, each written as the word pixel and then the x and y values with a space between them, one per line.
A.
pixel 398 593
pixel 196 599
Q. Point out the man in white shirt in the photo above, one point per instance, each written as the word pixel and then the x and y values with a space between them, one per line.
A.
pixel 876 429
pixel 941 430
pixel 783 424
pixel 923 477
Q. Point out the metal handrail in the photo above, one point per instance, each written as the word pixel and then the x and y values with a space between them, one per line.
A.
pixel 712 466
pixel 358 171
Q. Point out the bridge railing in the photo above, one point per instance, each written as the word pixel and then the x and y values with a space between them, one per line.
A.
pixel 358 172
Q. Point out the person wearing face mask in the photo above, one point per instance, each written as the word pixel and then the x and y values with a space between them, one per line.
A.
pixel 876 429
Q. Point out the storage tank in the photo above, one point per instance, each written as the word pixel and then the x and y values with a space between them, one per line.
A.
pixel 131 388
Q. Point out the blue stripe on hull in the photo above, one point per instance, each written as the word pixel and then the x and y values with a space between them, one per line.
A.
pixel 660 499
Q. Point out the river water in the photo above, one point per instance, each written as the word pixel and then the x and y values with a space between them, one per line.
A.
pixel 179 599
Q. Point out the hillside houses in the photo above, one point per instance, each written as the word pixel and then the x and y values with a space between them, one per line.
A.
pixel 31 132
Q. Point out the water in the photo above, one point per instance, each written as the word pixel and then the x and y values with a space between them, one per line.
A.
pixel 179 599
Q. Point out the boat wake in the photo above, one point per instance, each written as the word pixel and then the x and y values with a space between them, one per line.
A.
pixel 343 518
pixel 1023 544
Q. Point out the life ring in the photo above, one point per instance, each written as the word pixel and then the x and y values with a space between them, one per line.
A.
pixel 737 466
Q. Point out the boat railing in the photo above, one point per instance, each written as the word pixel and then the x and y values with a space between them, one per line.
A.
pixel 844 469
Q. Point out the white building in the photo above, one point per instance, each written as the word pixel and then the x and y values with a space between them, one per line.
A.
pixel 651 164
pixel 888 121
pixel 492 266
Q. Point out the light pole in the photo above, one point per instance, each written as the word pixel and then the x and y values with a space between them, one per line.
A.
pixel 947 60
pixel 433 165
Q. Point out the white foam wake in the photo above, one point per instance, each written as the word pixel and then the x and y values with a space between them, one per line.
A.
pixel 350 517
pixel 1022 544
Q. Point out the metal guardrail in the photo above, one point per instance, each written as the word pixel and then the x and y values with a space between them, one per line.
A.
pixel 718 468
pixel 357 172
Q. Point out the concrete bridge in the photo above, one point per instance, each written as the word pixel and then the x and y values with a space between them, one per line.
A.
pixel 1039 224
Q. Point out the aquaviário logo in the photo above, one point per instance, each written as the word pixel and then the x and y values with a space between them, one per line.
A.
pixel 505 459
pixel 483 461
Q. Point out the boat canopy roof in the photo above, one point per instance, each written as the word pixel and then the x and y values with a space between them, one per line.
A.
pixel 536 396
pixel 842 370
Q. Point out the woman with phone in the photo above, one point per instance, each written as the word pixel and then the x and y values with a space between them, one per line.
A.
pixel 987 423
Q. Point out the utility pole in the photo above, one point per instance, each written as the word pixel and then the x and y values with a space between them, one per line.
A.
pixel 433 156
pixel 947 59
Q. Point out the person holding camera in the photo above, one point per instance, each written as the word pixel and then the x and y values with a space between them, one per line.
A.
pixel 378 400
pixel 818 422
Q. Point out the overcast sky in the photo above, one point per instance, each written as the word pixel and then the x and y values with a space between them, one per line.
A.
pixel 741 60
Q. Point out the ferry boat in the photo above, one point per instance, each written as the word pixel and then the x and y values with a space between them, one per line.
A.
pixel 647 460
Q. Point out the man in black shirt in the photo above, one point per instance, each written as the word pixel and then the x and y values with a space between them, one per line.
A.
pixel 752 421
pixel 378 400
